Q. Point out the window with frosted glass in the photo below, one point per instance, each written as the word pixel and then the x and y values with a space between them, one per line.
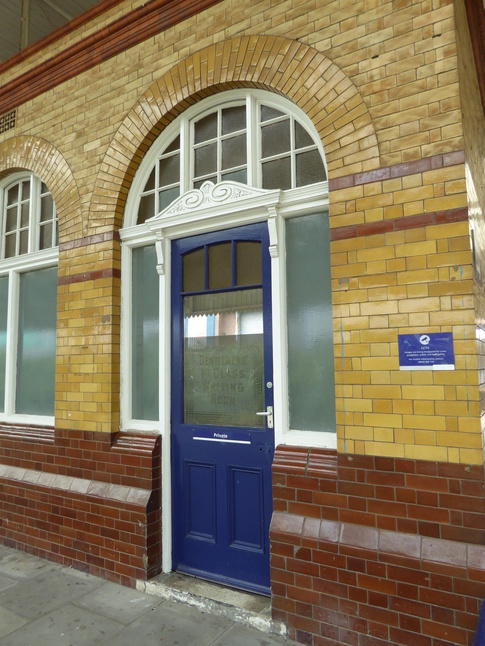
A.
pixel 3 338
pixel 311 381
pixel 145 289
pixel 249 142
pixel 36 355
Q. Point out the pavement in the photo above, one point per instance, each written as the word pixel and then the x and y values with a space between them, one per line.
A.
pixel 46 604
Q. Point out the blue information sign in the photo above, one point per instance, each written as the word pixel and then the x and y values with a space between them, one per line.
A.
pixel 431 351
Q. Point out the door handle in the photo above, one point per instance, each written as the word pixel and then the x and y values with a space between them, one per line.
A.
pixel 269 414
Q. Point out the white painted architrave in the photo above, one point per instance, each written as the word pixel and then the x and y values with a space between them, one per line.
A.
pixel 212 208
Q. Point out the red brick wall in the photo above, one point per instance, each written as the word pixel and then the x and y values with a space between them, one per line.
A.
pixel 83 499
pixel 361 551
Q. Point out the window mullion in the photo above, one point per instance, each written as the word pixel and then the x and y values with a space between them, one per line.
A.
pixel 252 140
pixel 34 214
pixel 12 342
pixel 186 158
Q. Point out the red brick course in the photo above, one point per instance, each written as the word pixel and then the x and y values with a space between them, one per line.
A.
pixel 87 500
pixel 382 550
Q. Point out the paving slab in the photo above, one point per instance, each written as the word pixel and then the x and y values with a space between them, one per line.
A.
pixel 45 592
pixel 117 602
pixel 22 565
pixel 173 624
pixel 10 621
pixel 45 604
pixel 69 625
pixel 239 635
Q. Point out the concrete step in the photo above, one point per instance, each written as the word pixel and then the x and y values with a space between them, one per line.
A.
pixel 242 607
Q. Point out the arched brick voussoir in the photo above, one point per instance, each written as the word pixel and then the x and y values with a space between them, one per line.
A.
pixel 290 68
pixel 40 157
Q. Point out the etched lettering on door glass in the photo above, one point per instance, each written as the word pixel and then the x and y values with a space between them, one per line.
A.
pixel 223 358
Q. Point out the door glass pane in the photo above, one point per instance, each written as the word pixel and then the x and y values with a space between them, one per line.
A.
pixel 220 266
pixel 3 338
pixel 249 263
pixel 36 359
pixel 310 324
pixel 193 271
pixel 223 359
pixel 145 334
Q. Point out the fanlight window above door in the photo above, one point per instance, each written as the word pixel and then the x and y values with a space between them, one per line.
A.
pixel 246 140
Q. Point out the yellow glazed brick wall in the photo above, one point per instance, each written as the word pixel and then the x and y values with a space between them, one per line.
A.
pixel 474 135
pixel 380 82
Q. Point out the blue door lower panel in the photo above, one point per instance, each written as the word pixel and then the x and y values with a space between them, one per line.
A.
pixel 224 498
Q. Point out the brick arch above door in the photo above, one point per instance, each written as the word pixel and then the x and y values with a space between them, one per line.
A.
pixel 42 158
pixel 299 72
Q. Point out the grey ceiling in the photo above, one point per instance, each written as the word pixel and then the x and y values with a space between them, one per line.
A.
pixel 44 17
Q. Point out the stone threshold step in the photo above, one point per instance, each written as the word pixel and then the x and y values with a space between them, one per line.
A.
pixel 237 605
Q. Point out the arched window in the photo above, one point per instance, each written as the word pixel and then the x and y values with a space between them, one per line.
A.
pixel 241 138
pixel 250 138
pixel 28 299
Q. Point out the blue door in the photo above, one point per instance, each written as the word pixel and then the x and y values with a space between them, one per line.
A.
pixel 222 403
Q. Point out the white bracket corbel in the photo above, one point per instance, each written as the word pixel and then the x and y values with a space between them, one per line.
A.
pixel 160 253
pixel 273 231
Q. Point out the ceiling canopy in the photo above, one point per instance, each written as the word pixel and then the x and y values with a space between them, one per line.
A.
pixel 24 22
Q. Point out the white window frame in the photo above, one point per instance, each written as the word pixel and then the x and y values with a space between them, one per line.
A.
pixel 242 205
pixel 13 268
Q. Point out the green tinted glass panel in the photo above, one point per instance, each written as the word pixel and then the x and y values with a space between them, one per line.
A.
pixel 36 357
pixel 310 325
pixel 3 338
pixel 223 359
pixel 145 339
